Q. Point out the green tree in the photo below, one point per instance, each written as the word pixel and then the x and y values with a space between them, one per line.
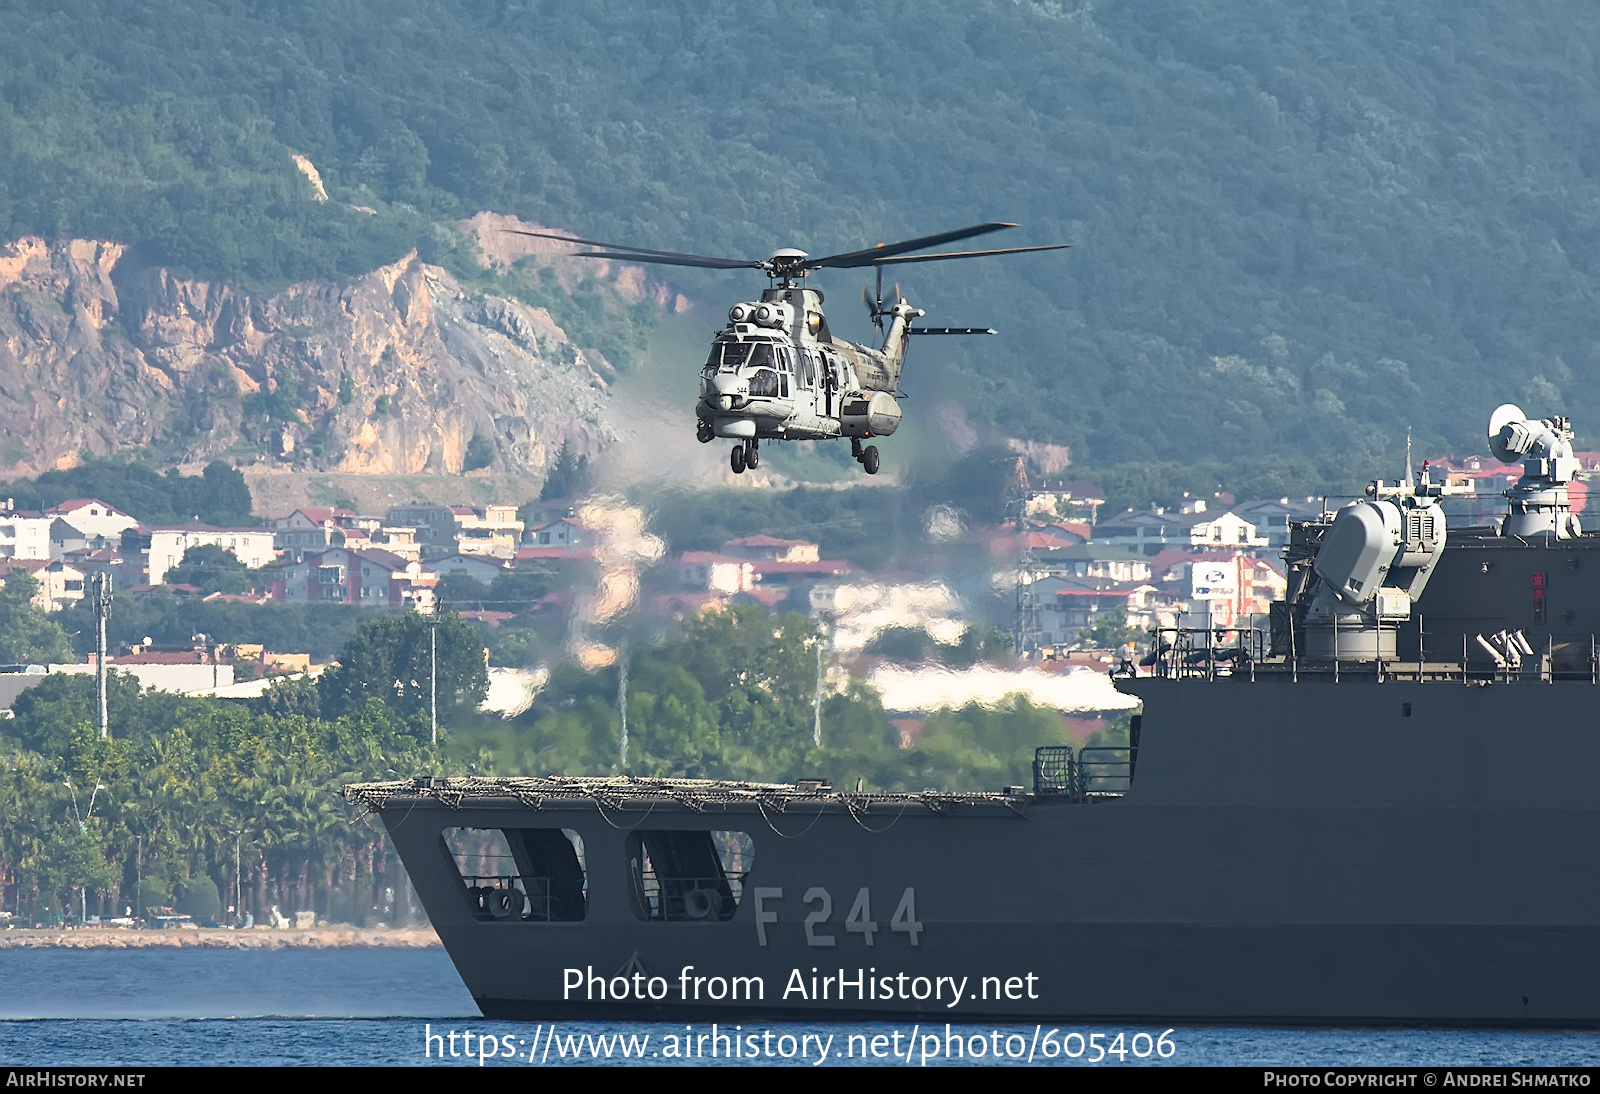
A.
pixel 1109 631
pixel 213 569
pixel 201 899
pixel 27 634
pixel 390 660
pixel 219 495
pixel 479 454
pixel 567 477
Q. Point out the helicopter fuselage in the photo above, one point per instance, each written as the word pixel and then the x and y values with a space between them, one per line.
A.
pixel 776 372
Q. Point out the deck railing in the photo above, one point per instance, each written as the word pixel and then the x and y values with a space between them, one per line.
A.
pixel 1209 652
pixel 1085 775
pixel 1191 653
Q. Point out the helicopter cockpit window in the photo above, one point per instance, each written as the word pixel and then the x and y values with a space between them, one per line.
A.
pixel 761 356
pixel 764 384
pixel 727 356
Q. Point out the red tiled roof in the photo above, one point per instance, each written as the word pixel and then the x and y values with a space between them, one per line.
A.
pixel 320 516
pixel 237 598
pixel 1044 541
pixel 528 554
pixel 767 541
pixel 160 657
pixel 1082 491
pixel 828 567
pixel 79 503
pixel 197 526
pixel 714 556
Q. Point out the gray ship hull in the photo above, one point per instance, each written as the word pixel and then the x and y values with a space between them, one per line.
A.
pixel 1366 852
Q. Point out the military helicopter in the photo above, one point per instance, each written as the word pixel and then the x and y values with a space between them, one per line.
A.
pixel 776 372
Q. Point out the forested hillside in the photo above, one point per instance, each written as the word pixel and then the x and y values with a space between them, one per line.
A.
pixel 1298 229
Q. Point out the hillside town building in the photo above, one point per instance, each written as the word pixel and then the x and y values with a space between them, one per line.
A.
pixel 160 549
pixel 340 575
pixel 24 534
pixel 60 584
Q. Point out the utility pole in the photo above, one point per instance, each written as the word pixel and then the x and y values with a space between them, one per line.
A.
pixel 433 677
pixel 816 702
pixel 1026 623
pixel 102 609
pixel 622 702
pixel 238 887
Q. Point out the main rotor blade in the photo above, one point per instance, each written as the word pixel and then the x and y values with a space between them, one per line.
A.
pixel 951 330
pixel 969 254
pixel 867 256
pixel 672 260
pixel 711 263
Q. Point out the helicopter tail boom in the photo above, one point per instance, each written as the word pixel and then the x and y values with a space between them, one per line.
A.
pixel 894 338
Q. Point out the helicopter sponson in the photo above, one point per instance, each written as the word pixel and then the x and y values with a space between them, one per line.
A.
pixel 776 372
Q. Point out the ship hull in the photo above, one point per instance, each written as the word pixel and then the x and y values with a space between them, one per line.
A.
pixel 1352 853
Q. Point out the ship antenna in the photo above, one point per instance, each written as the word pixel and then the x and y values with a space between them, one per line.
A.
pixel 1410 481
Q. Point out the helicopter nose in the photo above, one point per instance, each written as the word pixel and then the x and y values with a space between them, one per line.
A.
pixel 725 402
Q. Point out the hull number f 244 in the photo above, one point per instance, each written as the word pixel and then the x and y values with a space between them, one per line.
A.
pixel 819 921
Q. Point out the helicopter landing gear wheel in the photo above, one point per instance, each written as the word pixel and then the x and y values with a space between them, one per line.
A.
pixel 869 459
pixel 703 431
pixel 736 459
pixel 752 455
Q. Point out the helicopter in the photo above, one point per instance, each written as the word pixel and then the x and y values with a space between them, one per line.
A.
pixel 776 372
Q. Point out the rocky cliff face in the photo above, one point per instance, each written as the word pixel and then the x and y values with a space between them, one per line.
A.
pixel 403 371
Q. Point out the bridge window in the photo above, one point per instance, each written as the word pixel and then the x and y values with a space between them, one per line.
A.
pixel 530 874
pixel 689 876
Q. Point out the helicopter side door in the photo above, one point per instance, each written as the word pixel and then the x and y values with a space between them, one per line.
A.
pixel 835 379
pixel 806 375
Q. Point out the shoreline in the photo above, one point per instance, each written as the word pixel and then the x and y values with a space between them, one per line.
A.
pixel 221 938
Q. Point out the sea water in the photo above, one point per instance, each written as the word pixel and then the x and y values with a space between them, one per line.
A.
pixel 392 1006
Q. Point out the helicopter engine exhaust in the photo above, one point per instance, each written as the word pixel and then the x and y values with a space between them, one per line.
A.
pixel 874 415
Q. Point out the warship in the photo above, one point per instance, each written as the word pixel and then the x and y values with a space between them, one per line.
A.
pixel 1380 808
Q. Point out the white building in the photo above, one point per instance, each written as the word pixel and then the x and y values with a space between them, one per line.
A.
pixel 251 546
pixel 494 530
pixel 60 585
pixel 565 532
pixel 450 529
pixel 182 679
pixel 716 573
pixel 24 534
pixel 480 569
pixel 94 518
pixel 1154 531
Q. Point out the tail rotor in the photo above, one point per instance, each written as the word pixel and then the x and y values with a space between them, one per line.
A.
pixel 875 303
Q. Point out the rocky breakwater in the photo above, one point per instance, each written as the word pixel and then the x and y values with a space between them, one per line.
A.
pixel 402 371
pixel 259 938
